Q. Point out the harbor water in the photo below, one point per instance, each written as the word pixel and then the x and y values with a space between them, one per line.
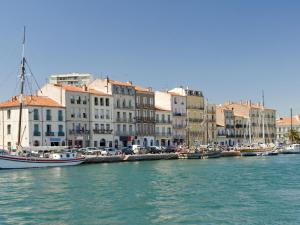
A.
pixel 241 190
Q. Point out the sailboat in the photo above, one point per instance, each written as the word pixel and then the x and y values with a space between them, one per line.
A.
pixel 26 158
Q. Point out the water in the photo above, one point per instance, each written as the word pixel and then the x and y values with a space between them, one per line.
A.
pixel 254 190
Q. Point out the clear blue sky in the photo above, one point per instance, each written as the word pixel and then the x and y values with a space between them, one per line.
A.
pixel 229 49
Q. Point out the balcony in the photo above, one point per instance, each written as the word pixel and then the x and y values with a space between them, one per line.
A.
pixel 81 132
pixel 61 133
pixel 125 133
pixel 124 120
pixel 49 133
pixel 163 134
pixel 164 121
pixel 102 131
pixel 179 126
pixel 194 120
pixel 145 119
pixel 36 133
pixel 179 114
pixel 124 107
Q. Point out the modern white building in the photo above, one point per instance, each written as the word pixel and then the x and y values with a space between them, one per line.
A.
pixel 43 122
pixel 76 79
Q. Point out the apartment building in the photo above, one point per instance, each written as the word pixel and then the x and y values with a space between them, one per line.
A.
pixel 88 114
pixel 43 122
pixel 145 116
pixel 123 109
pixel 74 79
pixel 210 123
pixel 163 127
pixel 284 125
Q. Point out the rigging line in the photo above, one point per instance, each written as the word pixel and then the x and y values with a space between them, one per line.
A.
pixel 36 83
pixel 29 86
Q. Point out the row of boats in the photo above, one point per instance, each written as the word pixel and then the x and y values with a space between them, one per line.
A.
pixel 290 149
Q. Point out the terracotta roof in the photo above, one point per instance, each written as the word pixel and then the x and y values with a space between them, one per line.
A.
pixel 121 83
pixel 31 101
pixel 162 109
pixel 141 89
pixel 81 89
pixel 287 121
pixel 174 94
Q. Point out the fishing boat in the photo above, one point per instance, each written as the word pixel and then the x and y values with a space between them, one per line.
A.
pixel 25 158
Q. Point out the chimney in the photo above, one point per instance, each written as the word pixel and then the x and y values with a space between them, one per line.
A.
pixel 130 82
pixel 84 87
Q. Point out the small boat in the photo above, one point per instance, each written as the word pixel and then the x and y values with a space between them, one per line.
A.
pixel 291 149
pixel 270 153
pixel 28 161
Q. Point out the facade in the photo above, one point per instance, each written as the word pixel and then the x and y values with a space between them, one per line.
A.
pixel 225 123
pixel 43 122
pixel 178 106
pixel 259 123
pixel 163 127
pixel 88 114
pixel 210 125
pixel 76 79
pixel 284 125
pixel 145 116
pixel 123 109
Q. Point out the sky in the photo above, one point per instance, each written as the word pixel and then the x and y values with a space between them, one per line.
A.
pixel 231 50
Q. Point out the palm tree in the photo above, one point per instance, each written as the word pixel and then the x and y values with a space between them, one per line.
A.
pixel 293 136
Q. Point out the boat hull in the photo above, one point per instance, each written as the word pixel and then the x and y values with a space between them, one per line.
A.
pixel 14 162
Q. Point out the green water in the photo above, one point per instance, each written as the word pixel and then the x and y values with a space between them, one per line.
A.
pixel 254 190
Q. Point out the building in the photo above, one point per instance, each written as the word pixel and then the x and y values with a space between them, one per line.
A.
pixel 145 116
pixel 210 123
pixel 284 125
pixel 89 114
pixel 225 123
pixel 261 124
pixel 178 106
pixel 163 127
pixel 43 122
pixel 123 94
pixel 76 79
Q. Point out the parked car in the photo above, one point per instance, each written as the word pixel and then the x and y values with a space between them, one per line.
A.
pixel 169 149
pixel 153 149
pixel 127 151
pixel 110 151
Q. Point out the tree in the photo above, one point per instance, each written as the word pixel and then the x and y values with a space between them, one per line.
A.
pixel 293 136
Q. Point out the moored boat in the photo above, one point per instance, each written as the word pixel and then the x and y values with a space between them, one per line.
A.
pixel 291 149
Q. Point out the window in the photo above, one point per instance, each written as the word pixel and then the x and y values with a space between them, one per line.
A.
pixel 78 100
pixel 138 100
pixel 101 102
pixel 102 113
pixel 48 128
pixel 130 117
pixel 118 127
pixel 118 103
pixel 60 128
pixel 129 104
pixel 144 100
pixel 60 115
pixel 124 128
pixel 72 99
pixel 95 101
pixel 107 101
pixel 130 128
pixel 84 101
pixel 107 127
pixel 84 114
pixel 107 114
pixel 151 101
pixel 48 114
pixel 124 103
pixel 124 115
pixel 72 113
pixel 8 129
pixel 35 114
pixel 8 114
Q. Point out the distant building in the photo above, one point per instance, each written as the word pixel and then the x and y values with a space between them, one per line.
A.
pixel 283 126
pixel 76 79
pixel 43 122
pixel 145 116
pixel 163 127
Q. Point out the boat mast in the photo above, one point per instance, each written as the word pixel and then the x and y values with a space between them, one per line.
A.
pixel 22 79
pixel 292 125
pixel 263 117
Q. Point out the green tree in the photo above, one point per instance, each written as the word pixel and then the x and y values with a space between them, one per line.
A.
pixel 293 136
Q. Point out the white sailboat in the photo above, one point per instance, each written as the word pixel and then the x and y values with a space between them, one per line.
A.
pixel 25 159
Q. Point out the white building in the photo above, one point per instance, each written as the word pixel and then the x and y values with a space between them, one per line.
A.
pixel 88 114
pixel 163 127
pixel 123 109
pixel 43 122
pixel 284 125
pixel 76 79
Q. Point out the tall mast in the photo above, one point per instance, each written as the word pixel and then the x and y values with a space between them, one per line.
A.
pixel 22 79
pixel 292 125
pixel 263 117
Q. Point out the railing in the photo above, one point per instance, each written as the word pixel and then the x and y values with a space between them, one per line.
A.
pixel 164 121
pixel 61 133
pixel 179 114
pixel 164 134
pixel 145 119
pixel 49 133
pixel 36 133
pixel 125 133
pixel 195 120
pixel 102 131
pixel 79 132
pixel 179 126
pixel 123 107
